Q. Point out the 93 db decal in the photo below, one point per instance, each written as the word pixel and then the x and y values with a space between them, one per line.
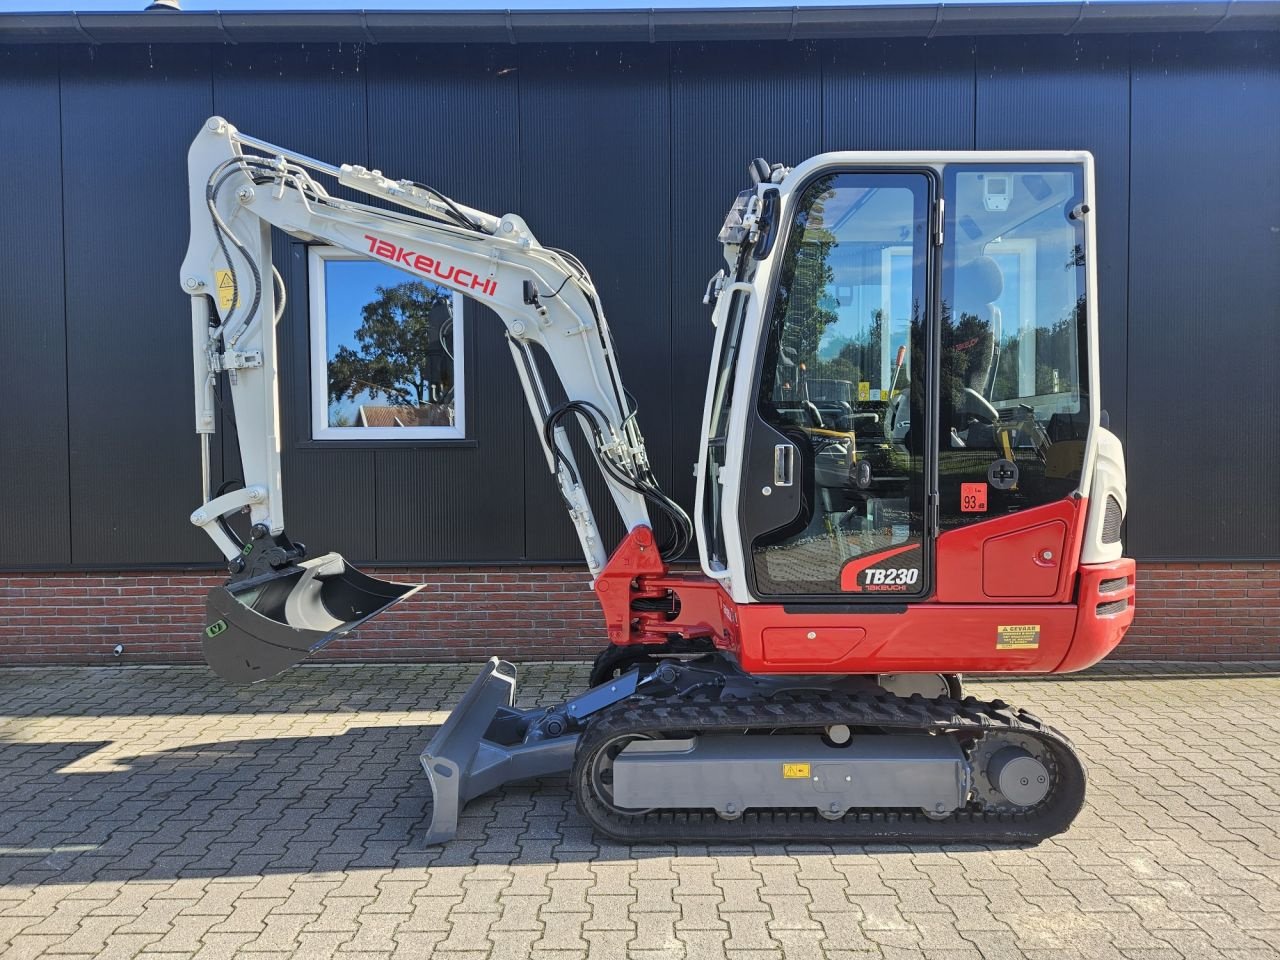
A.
pixel 896 570
pixel 1023 636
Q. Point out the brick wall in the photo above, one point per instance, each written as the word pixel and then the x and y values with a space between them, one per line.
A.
pixel 1185 612
pixel 1220 611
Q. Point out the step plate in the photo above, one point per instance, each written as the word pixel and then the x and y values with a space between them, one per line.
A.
pixel 730 774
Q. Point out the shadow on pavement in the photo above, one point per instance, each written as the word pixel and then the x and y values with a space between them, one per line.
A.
pixel 69 813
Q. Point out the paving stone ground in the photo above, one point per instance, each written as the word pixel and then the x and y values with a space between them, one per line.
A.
pixel 161 814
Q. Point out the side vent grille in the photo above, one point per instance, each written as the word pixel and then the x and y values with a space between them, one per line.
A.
pixel 1113 584
pixel 1111 521
pixel 1113 607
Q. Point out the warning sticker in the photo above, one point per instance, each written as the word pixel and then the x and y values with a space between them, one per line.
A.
pixel 973 498
pixel 1024 636
pixel 226 289
pixel 795 771
pixel 864 390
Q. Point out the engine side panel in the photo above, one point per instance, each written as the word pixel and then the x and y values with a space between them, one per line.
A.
pixel 1002 558
pixel 919 638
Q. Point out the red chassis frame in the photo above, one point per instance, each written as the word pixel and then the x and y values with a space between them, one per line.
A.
pixel 1008 604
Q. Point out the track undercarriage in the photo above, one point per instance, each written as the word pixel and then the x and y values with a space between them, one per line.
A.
pixel 693 749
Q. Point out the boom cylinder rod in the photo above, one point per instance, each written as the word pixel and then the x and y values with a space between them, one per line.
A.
pixel 206 421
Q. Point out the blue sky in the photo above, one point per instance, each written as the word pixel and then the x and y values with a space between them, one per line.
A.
pixel 348 286
pixel 102 6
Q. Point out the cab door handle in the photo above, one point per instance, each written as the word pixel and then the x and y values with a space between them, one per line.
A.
pixel 784 465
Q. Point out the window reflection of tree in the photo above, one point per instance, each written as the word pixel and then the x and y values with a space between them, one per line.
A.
pixel 403 354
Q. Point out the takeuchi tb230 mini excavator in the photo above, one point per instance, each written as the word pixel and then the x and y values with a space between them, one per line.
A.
pixel 904 475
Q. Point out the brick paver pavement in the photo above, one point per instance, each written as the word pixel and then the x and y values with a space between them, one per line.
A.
pixel 160 813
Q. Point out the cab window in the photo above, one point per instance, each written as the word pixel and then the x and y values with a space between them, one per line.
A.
pixel 1014 389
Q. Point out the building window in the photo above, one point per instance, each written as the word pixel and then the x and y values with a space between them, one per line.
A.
pixel 383 349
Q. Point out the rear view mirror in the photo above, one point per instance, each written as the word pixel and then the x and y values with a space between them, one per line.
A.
pixel 771 203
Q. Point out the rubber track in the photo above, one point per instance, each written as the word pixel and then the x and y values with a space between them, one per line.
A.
pixel 705 715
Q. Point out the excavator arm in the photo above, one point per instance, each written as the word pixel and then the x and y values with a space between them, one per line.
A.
pixel 240 188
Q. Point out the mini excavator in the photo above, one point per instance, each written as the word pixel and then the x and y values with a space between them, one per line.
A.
pixel 904 476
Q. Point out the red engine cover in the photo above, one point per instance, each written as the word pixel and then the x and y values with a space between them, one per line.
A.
pixel 1011 598
pixel 1027 563
pixel 1002 558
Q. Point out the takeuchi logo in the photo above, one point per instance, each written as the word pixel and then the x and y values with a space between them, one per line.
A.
pixel 431 267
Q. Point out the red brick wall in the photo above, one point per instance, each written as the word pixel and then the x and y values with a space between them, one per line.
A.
pixel 1208 611
pixel 1185 611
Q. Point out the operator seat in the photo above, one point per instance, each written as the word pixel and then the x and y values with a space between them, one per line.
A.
pixel 979 284
pixel 975 346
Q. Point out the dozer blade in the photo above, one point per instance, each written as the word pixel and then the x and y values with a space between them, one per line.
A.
pixel 264 624
pixel 488 741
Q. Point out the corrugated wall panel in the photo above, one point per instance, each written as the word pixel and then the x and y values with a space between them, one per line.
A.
pixel 1072 93
pixel 448 118
pixel 595 178
pixel 628 156
pixel 1204 290
pixel 711 96
pixel 33 373
pixel 128 115
pixel 898 95
pixel 310 99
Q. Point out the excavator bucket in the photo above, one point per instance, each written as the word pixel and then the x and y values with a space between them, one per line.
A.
pixel 262 625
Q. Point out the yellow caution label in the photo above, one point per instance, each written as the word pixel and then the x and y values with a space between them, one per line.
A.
pixel 1023 636
pixel 864 390
pixel 795 771
pixel 226 290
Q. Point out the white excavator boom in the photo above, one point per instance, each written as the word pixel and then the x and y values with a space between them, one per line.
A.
pixel 242 187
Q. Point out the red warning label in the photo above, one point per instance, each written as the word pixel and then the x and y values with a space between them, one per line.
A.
pixel 973 498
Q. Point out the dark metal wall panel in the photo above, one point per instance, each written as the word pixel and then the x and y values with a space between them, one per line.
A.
pixel 628 156
pixel 713 141
pixel 898 95
pixel 1204 284
pixel 1072 93
pixel 447 117
pixel 128 115
pixel 595 178
pixel 33 373
pixel 310 99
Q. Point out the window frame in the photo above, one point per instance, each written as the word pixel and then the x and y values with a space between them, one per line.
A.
pixel 318 257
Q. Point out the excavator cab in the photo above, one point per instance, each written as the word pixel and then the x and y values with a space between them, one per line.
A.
pixel 948 302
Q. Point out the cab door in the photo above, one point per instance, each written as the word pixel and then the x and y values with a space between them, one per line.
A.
pixel 834 492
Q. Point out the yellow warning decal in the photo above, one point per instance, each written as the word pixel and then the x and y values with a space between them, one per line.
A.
pixel 864 390
pixel 795 771
pixel 1023 636
pixel 226 290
